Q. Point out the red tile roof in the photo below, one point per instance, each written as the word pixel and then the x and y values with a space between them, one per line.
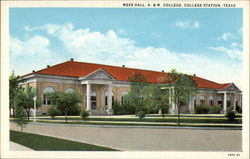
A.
pixel 78 69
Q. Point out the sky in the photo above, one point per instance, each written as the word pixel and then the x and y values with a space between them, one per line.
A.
pixel 202 41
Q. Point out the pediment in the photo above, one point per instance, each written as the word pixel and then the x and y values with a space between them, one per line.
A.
pixel 232 87
pixel 100 74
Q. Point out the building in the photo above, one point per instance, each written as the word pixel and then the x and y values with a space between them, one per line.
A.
pixel 100 85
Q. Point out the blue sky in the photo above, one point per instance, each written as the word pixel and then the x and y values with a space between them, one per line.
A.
pixel 206 42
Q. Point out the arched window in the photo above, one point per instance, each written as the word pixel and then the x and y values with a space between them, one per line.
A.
pixel 228 101
pixel 47 90
pixel 122 96
pixel 69 90
pixel 106 97
pixel 202 100
pixel 211 101
pixel 93 99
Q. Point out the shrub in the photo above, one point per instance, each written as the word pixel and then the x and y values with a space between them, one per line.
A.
pixel 201 109
pixel 84 114
pixel 214 109
pixel 74 110
pixel 141 114
pixel 53 112
pixel 238 109
pixel 120 109
pixel 230 115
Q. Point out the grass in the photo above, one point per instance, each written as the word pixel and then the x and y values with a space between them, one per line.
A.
pixel 46 143
pixel 174 119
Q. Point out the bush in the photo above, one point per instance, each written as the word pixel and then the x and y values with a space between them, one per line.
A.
pixel 120 109
pixel 53 112
pixel 84 114
pixel 201 109
pixel 74 110
pixel 238 109
pixel 141 114
pixel 230 115
pixel 214 109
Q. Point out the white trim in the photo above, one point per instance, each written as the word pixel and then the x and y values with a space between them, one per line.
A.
pixel 87 81
pixel 96 72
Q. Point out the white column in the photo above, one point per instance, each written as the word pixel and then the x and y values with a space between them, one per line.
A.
pixel 88 96
pixel 225 102
pixel 109 97
pixel 34 111
pixel 172 108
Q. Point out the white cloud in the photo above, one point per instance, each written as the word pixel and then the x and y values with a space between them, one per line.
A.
pixel 108 48
pixel 226 36
pixel 236 45
pixel 36 45
pixel 188 24
pixel 196 25
pixel 122 32
pixel 234 52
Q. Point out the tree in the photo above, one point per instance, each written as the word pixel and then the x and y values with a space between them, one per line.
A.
pixel 25 99
pixel 21 118
pixel 157 97
pixel 66 102
pixel 14 89
pixel 181 86
pixel 135 96
pixel 137 78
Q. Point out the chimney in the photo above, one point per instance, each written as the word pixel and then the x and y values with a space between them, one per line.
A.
pixel 162 70
pixel 71 59
pixel 123 65
pixel 194 74
pixel 33 71
pixel 48 66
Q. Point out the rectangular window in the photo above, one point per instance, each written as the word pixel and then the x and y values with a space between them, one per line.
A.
pixel 106 100
pixel 202 102
pixel 44 99
pixel 211 103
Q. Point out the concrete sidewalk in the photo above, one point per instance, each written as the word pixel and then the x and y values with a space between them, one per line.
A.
pixel 17 147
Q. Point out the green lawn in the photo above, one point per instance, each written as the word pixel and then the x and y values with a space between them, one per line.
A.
pixel 46 143
pixel 148 119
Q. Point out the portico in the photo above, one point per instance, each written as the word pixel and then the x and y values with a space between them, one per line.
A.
pixel 101 78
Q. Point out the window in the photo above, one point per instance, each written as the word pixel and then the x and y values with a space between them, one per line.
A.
pixel 220 101
pixel 47 90
pixel 106 97
pixel 194 100
pixel 236 101
pixel 69 90
pixel 211 101
pixel 228 101
pixel 202 100
pixel 93 99
pixel 122 96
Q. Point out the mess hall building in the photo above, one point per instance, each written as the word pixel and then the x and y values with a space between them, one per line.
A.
pixel 99 85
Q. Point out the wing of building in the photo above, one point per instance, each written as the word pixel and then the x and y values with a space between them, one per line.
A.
pixel 100 85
